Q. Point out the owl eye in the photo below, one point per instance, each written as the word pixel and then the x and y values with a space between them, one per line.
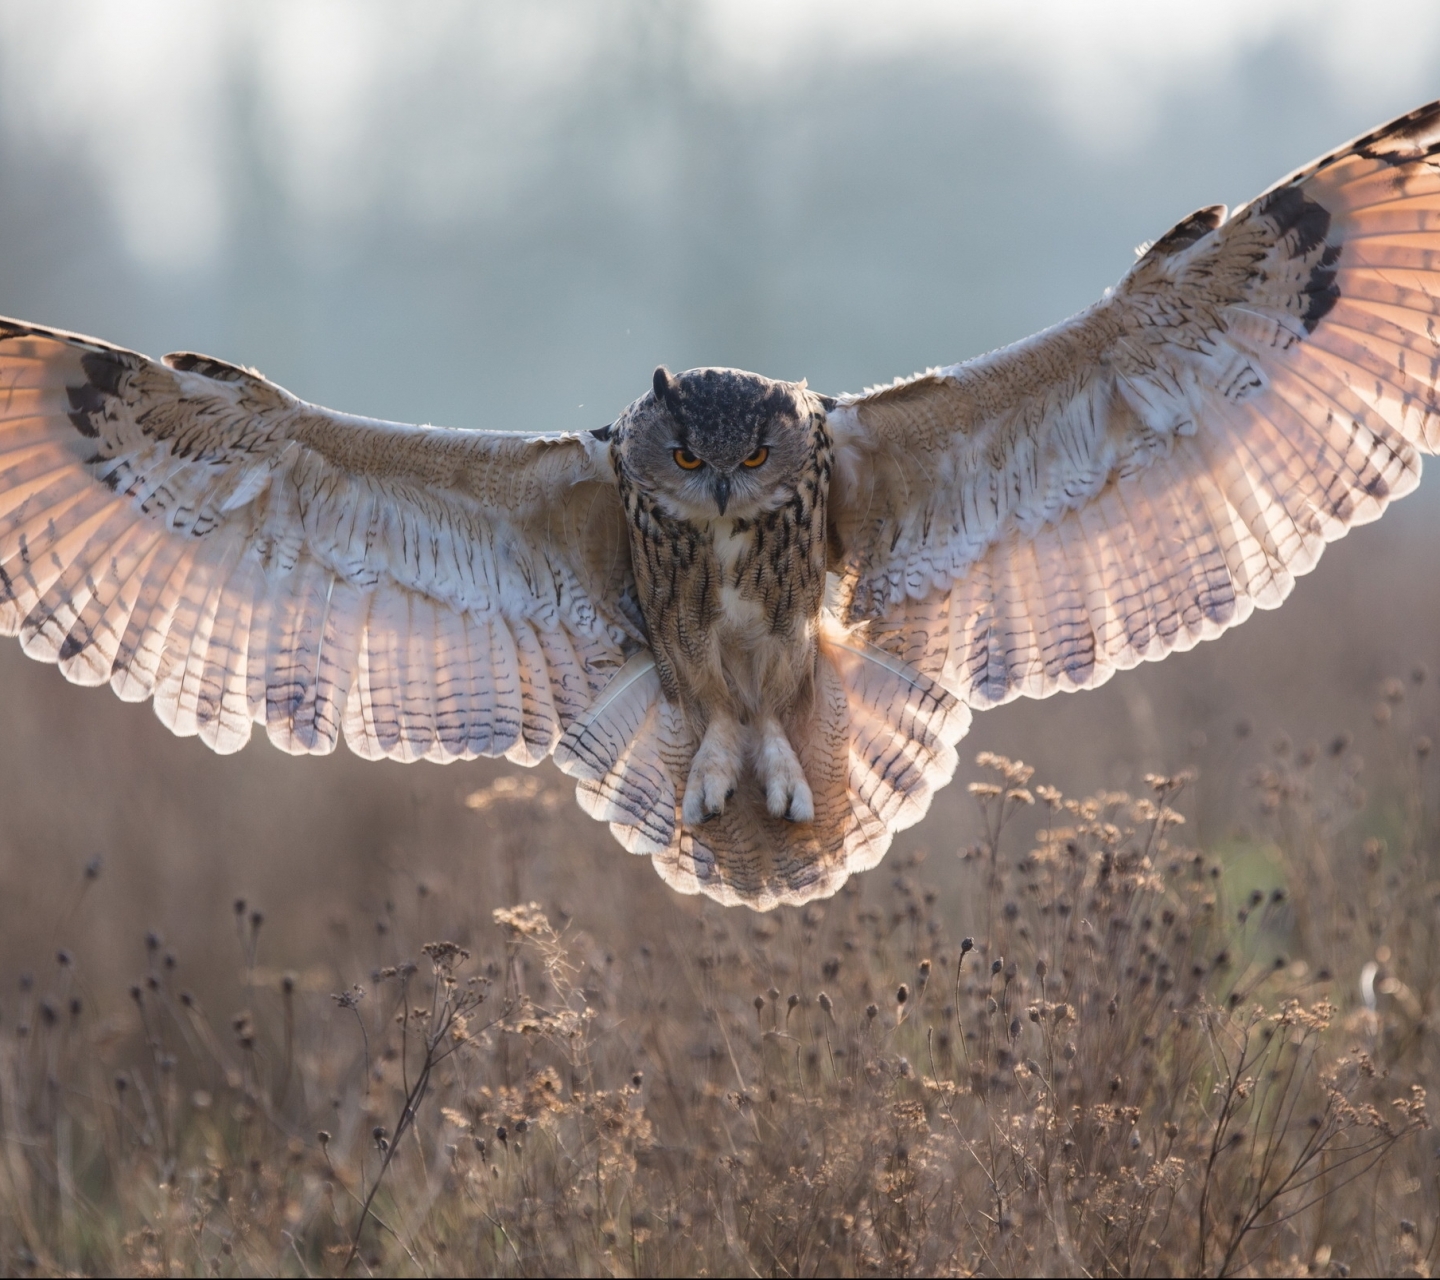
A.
pixel 759 456
pixel 686 460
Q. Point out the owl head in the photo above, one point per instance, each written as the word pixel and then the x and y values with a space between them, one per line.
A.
pixel 719 442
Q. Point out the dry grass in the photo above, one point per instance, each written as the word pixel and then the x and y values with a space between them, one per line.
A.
pixel 1151 1059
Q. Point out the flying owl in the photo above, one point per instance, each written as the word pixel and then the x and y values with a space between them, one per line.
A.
pixel 751 620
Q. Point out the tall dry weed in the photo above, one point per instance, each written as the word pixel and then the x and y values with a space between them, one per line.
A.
pixel 1149 1059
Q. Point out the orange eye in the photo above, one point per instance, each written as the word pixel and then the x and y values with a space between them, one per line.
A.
pixel 686 460
pixel 759 456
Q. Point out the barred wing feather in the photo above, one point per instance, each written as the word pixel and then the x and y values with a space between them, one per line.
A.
pixel 187 531
pixel 1142 476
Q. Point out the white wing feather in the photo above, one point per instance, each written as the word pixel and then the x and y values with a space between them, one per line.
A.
pixel 194 534
pixel 1142 476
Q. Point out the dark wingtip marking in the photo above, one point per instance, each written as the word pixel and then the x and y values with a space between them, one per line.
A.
pixel 1321 289
pixel 1291 210
pixel 1308 222
pixel 209 366
pixel 603 433
pixel 1412 137
pixel 1188 230
pixel 105 370
pixel 72 646
pixel 84 401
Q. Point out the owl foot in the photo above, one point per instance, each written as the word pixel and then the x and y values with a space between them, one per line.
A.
pixel 713 773
pixel 787 793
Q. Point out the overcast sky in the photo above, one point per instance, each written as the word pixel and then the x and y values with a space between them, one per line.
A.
pixel 484 213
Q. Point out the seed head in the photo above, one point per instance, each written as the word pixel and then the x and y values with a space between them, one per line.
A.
pixel 872 1011
pixel 902 994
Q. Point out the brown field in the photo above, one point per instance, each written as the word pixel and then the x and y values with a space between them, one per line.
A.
pixel 505 215
pixel 229 1045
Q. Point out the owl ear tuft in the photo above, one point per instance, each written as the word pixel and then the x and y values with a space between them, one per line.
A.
pixel 667 389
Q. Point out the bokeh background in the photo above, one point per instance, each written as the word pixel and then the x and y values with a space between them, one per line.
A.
pixel 504 215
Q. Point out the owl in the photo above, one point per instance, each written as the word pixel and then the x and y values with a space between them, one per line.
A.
pixel 750 620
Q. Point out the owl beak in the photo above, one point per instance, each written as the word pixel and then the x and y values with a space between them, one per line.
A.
pixel 720 487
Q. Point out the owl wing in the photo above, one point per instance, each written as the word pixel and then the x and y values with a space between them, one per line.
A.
pixel 1142 476
pixel 190 532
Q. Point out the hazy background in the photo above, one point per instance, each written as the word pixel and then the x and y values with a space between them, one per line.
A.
pixel 504 215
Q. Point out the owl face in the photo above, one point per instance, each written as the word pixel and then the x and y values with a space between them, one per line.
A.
pixel 718 442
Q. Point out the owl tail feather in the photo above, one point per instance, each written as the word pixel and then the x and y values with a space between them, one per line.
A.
pixel 876 745
pixel 625 753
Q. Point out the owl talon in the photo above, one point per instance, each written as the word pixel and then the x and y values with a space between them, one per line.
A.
pixel 787 793
pixel 713 774
pixel 801 806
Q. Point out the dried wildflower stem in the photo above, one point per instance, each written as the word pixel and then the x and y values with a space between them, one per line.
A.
pixel 637 1116
pixel 445 1032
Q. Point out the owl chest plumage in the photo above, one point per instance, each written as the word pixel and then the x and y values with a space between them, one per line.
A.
pixel 732 605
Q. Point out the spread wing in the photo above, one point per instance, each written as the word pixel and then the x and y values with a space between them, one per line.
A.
pixel 1142 476
pixel 190 532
